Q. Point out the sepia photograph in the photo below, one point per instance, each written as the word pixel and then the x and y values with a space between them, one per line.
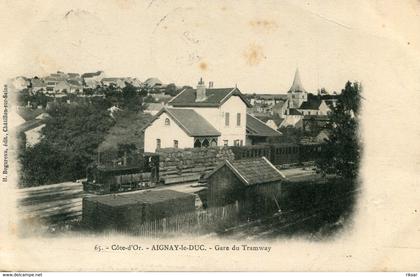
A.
pixel 210 136
pixel 153 159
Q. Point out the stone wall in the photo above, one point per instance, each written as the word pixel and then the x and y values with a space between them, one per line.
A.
pixel 178 165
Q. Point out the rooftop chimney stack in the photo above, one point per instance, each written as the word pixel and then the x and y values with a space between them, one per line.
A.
pixel 201 91
pixel 211 84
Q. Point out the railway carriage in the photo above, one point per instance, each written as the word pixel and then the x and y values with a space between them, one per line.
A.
pixel 280 153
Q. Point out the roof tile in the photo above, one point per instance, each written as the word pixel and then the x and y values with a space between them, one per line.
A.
pixel 215 97
pixel 255 170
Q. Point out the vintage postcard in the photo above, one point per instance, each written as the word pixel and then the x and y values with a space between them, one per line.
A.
pixel 210 136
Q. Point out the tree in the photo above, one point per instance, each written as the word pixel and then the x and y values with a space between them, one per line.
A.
pixel 132 97
pixel 322 91
pixel 125 138
pixel 150 99
pixel 23 97
pixel 126 131
pixel 291 134
pixel 341 153
pixel 171 89
pixel 68 144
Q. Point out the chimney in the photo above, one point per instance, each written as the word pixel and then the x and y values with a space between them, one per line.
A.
pixel 201 91
pixel 211 84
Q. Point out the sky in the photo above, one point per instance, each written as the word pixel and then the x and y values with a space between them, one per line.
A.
pixel 256 45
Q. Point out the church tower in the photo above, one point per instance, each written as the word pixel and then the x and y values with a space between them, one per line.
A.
pixel 296 94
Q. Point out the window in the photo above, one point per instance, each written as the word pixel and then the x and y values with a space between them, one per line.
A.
pixel 205 143
pixel 167 122
pixel 236 142
pixel 226 119
pixel 158 144
pixel 241 142
pixel 213 142
pixel 197 143
pixel 175 144
pixel 238 119
pixel 225 142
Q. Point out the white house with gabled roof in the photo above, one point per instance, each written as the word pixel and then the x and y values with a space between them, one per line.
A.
pixel 201 117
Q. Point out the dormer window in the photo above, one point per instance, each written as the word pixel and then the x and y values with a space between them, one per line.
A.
pixel 167 122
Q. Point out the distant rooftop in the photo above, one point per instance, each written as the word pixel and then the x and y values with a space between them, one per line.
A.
pixel 256 127
pixel 312 103
pixel 267 96
pixel 91 74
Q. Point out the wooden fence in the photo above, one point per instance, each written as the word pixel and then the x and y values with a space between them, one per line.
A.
pixel 51 204
pixel 207 220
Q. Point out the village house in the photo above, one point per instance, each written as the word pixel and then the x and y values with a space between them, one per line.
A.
pixel 33 133
pixel 18 119
pixel 93 79
pixel 330 99
pixel 255 184
pixel 53 79
pixel 32 129
pixel 293 119
pixel 315 123
pixel 154 85
pixel 38 84
pixel 19 83
pixel 161 97
pixel 74 76
pixel 314 106
pixel 117 82
pixel 267 99
pixel 153 82
pixel 133 81
pixel 153 108
pixel 274 123
pixel 68 86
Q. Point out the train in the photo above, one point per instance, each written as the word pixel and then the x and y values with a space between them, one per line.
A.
pixel 102 179
pixel 105 179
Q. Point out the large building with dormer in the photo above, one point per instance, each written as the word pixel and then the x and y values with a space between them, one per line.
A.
pixel 203 117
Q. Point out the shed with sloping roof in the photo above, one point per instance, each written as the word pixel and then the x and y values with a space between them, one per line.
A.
pixel 254 183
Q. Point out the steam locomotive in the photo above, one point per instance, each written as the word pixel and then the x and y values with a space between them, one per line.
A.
pixel 102 179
